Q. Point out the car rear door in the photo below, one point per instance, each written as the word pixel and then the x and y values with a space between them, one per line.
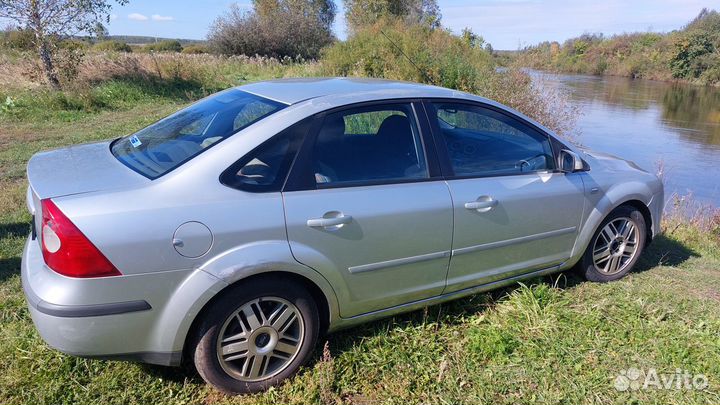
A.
pixel 513 212
pixel 366 207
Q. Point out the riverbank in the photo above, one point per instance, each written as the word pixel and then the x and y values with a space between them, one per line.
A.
pixel 689 55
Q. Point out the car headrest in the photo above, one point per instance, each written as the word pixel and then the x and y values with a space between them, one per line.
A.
pixel 395 132
pixel 333 128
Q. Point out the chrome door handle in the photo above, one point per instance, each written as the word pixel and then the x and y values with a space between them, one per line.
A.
pixel 482 205
pixel 328 222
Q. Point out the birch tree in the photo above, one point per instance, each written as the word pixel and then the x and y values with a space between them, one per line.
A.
pixel 50 20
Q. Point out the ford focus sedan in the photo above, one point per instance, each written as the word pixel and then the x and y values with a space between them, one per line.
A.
pixel 235 232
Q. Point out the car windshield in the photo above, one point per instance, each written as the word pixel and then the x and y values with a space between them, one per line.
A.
pixel 170 142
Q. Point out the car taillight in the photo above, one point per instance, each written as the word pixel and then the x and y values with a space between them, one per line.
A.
pixel 66 250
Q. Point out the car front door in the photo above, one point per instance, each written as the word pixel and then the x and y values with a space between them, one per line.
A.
pixel 513 211
pixel 367 209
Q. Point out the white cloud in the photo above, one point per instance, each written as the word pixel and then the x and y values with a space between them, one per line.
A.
pixel 113 16
pixel 137 17
pixel 158 17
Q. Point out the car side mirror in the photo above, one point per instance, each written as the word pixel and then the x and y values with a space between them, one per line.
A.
pixel 571 162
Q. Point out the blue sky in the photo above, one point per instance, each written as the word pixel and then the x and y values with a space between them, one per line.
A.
pixel 506 24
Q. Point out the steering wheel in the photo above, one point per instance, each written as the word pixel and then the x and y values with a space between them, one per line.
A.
pixel 529 161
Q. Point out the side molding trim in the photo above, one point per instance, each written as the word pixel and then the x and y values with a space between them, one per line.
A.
pixel 398 262
pixel 513 241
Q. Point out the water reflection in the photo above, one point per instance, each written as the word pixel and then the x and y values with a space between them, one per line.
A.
pixel 649 121
pixel 694 107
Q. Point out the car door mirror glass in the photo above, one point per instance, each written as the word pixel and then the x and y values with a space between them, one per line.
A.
pixel 571 161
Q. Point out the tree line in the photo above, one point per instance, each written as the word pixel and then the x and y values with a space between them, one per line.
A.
pixel 691 53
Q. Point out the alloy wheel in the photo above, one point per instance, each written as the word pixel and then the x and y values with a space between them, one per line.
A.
pixel 260 339
pixel 615 246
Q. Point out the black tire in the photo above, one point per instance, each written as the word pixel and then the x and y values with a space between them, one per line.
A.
pixel 206 352
pixel 587 265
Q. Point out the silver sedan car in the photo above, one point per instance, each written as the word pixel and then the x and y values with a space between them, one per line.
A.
pixel 235 232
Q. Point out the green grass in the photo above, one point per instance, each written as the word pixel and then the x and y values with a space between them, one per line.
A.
pixel 557 339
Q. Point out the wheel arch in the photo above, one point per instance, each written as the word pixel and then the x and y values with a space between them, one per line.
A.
pixel 317 294
pixel 595 218
pixel 647 216
pixel 271 259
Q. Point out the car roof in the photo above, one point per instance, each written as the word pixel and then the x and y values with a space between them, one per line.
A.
pixel 291 91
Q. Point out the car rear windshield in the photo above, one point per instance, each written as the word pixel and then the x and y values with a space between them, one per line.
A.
pixel 172 141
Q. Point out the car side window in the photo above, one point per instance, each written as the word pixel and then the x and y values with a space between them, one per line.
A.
pixel 483 142
pixel 368 144
pixel 265 168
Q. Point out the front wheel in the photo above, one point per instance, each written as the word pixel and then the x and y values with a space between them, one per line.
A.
pixel 616 246
pixel 256 335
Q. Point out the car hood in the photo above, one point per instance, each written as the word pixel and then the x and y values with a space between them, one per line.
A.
pixel 609 162
pixel 79 169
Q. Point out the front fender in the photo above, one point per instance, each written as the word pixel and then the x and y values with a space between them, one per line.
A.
pixel 606 199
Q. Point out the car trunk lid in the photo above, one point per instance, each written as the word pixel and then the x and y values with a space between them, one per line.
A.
pixel 75 170
pixel 79 169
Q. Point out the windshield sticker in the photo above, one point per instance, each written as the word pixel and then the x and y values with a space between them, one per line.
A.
pixel 134 141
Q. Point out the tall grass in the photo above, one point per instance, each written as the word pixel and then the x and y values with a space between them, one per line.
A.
pixel 118 80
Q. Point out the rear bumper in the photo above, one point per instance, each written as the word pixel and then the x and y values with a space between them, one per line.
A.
pixel 104 318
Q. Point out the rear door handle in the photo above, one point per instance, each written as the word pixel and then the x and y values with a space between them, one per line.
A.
pixel 483 204
pixel 329 222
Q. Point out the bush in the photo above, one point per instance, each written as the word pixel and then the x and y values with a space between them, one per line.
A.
pixel 283 33
pixel 165 46
pixel 21 40
pixel 112 46
pixel 196 49
pixel 690 51
pixel 438 57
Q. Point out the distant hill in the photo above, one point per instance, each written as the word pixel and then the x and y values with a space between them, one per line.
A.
pixel 142 40
pixel 132 39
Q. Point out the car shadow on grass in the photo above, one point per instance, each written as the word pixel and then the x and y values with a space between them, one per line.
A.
pixel 10 266
pixel 185 374
pixel 664 251
pixel 14 229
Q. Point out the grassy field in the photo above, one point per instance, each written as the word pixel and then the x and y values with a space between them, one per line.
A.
pixel 556 340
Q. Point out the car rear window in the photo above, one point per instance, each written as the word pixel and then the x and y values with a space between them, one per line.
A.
pixel 172 141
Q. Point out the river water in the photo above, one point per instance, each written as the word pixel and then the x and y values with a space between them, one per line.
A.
pixel 649 122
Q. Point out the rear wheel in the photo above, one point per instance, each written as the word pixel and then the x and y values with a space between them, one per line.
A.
pixel 616 245
pixel 256 335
